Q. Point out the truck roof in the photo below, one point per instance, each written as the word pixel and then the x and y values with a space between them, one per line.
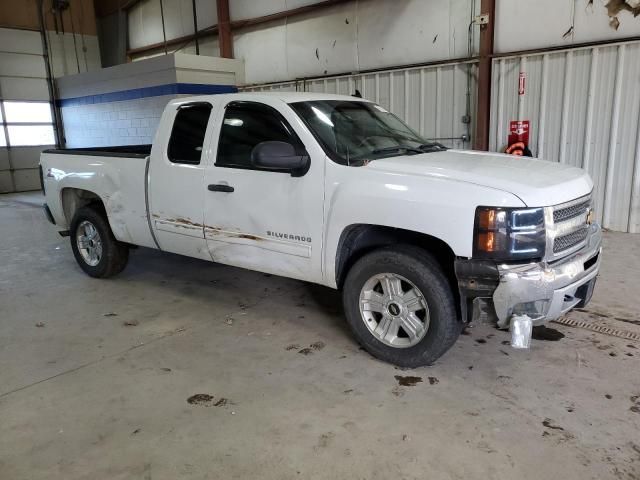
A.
pixel 287 97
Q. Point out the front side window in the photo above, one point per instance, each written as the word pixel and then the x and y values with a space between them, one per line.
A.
pixel 354 132
pixel 245 125
pixel 188 132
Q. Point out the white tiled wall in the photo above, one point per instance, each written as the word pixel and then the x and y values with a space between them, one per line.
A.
pixel 131 122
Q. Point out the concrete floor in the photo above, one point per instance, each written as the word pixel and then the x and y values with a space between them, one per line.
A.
pixel 95 377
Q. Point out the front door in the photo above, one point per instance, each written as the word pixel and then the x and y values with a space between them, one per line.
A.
pixel 256 218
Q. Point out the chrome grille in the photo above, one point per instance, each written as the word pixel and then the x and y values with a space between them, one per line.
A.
pixel 565 242
pixel 567 227
pixel 567 213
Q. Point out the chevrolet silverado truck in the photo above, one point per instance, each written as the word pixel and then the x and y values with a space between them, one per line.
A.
pixel 335 190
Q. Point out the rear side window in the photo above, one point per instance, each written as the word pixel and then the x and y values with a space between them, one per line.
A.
pixel 245 125
pixel 187 134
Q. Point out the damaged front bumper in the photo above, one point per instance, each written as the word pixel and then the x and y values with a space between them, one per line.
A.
pixel 543 290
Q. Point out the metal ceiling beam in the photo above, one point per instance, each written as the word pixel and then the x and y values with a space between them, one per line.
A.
pixel 483 112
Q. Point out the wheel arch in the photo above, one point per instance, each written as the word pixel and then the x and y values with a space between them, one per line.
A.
pixel 359 239
pixel 72 199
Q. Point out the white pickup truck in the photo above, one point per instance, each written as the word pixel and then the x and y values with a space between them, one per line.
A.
pixel 337 191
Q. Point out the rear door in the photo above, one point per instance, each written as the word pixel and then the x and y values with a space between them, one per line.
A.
pixel 264 220
pixel 176 180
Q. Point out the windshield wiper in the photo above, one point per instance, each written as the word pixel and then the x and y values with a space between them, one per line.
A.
pixel 432 147
pixel 399 148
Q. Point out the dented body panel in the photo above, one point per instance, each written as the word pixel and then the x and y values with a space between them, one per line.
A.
pixel 272 222
pixel 368 195
pixel 117 181
pixel 176 195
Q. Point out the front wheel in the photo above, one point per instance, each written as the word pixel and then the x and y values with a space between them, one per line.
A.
pixel 96 250
pixel 400 307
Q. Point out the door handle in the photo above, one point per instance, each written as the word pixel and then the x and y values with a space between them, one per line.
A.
pixel 219 187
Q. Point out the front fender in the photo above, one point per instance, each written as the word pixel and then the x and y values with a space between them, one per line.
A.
pixel 440 207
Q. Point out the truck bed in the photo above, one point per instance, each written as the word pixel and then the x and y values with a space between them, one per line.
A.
pixel 115 175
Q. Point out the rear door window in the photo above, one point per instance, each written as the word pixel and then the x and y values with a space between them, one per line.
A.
pixel 188 132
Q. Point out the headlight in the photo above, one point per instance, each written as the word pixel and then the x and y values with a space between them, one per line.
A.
pixel 509 233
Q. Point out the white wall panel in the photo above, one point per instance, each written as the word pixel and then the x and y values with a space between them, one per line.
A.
pixel 26 157
pixel 17 88
pixel 349 37
pixel 20 41
pixel 209 46
pixel 527 24
pixel 432 100
pixel 584 109
pixel 264 51
pixel 4 159
pixel 181 15
pixel 6 182
pixel 62 52
pixel 145 20
pixel 276 87
pixel 207 13
pixel 323 44
pixel 243 9
pixel 370 34
pixel 22 65
pixel 406 32
pixel 112 37
pixel 145 24
pixel 27 179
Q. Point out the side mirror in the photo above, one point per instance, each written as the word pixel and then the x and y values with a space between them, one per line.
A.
pixel 280 156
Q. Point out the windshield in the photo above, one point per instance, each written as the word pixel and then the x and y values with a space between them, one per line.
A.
pixel 353 132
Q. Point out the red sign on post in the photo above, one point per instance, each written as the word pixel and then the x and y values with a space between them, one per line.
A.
pixel 519 131
pixel 521 83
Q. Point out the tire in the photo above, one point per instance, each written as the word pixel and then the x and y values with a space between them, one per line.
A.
pixel 424 289
pixel 112 256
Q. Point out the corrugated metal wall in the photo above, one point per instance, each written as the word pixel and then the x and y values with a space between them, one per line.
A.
pixel 431 99
pixel 584 109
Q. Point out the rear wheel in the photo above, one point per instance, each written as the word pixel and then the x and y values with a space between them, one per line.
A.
pixel 400 307
pixel 95 248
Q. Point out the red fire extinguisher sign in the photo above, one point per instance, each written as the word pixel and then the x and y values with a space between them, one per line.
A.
pixel 518 131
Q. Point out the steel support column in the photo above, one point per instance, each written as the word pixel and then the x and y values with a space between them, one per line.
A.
pixel 224 29
pixel 481 140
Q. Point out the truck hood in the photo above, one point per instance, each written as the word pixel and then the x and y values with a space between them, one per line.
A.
pixel 538 183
